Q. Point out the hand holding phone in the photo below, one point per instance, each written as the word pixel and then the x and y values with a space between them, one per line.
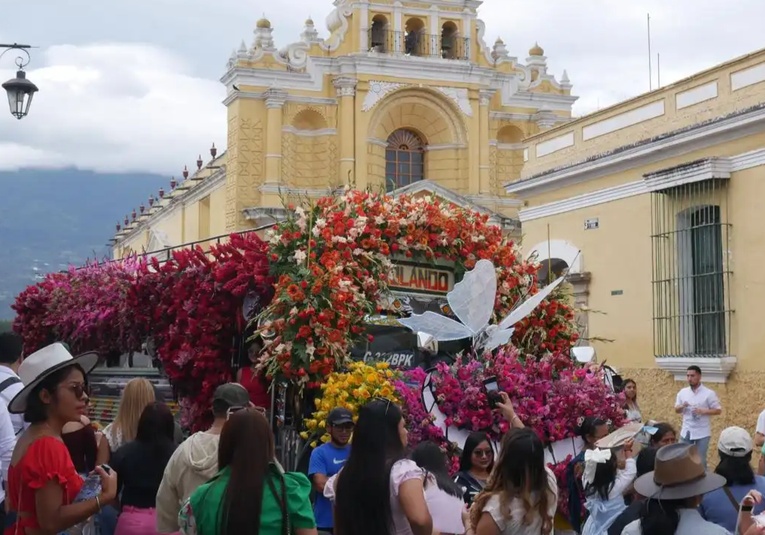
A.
pixel 491 387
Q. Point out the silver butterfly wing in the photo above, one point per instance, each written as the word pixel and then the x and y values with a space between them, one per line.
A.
pixel 528 306
pixel 472 299
pixel 439 327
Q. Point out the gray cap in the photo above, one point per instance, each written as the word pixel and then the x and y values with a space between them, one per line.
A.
pixel 232 394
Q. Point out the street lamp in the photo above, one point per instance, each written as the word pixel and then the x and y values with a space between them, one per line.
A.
pixel 20 90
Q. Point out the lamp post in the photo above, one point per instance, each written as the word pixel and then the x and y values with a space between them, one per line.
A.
pixel 20 90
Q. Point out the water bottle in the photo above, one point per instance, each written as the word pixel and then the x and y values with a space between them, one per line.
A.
pixel 91 488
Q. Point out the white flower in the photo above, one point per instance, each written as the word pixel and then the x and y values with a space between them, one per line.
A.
pixel 309 350
pixel 300 256
pixel 293 311
pixel 300 211
pixel 321 223
pixel 379 220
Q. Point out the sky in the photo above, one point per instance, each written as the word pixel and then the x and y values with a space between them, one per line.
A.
pixel 133 86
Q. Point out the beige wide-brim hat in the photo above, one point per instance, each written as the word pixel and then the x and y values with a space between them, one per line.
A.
pixel 679 473
pixel 40 364
pixel 620 437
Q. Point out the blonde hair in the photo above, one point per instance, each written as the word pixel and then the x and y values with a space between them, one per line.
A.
pixel 138 394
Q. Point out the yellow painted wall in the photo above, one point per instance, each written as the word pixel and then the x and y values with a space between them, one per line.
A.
pixel 217 211
pixel 728 100
pixel 619 257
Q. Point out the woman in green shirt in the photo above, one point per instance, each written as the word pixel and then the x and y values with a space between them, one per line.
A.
pixel 250 494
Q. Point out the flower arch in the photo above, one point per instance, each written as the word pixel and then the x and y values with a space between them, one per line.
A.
pixel 333 262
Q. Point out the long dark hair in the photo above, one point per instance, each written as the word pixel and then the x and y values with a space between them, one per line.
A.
pixel 624 387
pixel 37 411
pixel 520 473
pixel 247 449
pixel 587 428
pixel 662 428
pixel 472 442
pixel 431 457
pixel 604 480
pixel 736 470
pixel 362 503
pixel 156 427
pixel 661 517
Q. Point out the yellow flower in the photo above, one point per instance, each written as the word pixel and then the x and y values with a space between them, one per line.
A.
pixel 351 390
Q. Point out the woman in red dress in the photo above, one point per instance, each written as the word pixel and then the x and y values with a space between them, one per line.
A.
pixel 42 480
pixel 255 383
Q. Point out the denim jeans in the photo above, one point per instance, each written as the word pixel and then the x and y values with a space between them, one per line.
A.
pixel 701 443
pixel 106 520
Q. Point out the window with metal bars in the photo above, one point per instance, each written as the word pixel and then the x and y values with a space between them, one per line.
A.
pixel 690 270
pixel 404 159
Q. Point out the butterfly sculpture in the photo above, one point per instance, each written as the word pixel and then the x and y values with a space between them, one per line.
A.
pixel 472 302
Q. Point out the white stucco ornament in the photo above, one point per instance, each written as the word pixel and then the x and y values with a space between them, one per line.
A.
pixel 458 95
pixel 378 90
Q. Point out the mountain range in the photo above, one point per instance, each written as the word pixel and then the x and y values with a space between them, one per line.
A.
pixel 53 219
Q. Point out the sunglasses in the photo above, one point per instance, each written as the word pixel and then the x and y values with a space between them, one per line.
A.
pixel 343 427
pixel 483 453
pixel 79 390
pixel 387 402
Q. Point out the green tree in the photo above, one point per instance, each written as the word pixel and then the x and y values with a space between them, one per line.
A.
pixel 6 325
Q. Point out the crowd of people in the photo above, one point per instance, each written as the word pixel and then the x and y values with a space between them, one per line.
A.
pixel 139 477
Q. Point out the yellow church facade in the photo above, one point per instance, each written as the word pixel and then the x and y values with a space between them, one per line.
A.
pixel 655 207
pixel 400 96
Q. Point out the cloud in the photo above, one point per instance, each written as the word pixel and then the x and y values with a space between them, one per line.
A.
pixel 114 107
pixel 125 103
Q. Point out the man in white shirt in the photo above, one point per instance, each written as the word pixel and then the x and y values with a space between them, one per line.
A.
pixel 697 404
pixel 759 432
pixel 10 384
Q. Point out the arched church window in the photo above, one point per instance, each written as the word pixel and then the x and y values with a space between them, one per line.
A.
pixel 414 38
pixel 378 37
pixel 404 159
pixel 449 40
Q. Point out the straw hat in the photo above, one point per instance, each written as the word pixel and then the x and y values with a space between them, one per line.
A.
pixel 618 438
pixel 40 364
pixel 678 474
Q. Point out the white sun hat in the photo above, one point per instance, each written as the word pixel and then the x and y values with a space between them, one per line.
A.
pixel 40 364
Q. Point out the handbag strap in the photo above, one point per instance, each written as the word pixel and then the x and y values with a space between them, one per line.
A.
pixel 731 497
pixel 282 502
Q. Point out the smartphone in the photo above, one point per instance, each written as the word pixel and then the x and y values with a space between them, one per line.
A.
pixel 492 391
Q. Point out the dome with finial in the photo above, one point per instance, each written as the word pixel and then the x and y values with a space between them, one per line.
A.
pixel 264 23
pixel 536 50
pixel 309 21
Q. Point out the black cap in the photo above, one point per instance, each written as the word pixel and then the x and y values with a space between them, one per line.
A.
pixel 339 416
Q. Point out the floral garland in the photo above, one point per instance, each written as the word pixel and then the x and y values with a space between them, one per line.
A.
pixel 332 263
pixel 190 305
pixel 187 307
pixel 85 307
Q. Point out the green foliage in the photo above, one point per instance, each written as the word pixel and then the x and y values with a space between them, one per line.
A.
pixel 6 326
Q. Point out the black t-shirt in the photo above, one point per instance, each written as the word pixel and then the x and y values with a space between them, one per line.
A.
pixel 139 468
pixel 628 516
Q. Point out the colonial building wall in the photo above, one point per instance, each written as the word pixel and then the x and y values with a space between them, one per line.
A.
pixel 706 96
pixel 218 211
pixel 658 217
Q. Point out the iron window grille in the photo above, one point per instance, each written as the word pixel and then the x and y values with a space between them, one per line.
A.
pixel 404 159
pixel 691 271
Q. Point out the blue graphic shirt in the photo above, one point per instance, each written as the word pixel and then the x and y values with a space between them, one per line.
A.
pixel 327 459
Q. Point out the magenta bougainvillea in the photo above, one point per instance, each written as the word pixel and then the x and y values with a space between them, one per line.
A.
pixel 189 307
